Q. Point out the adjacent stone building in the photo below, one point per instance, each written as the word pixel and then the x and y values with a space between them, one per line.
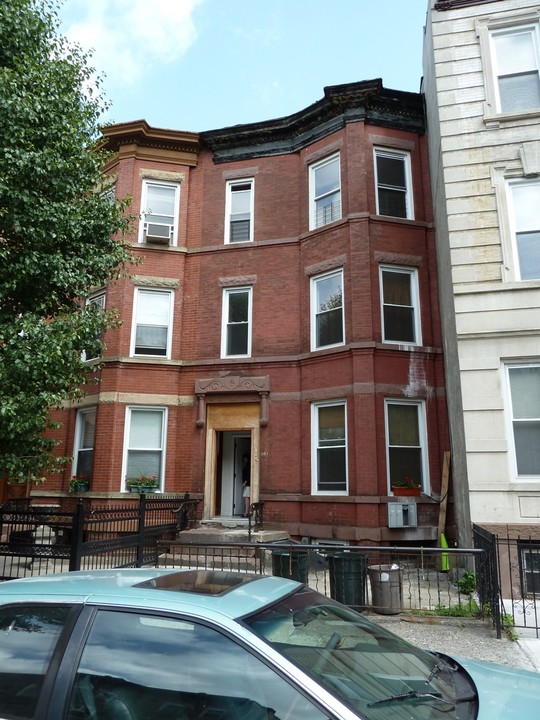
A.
pixel 482 88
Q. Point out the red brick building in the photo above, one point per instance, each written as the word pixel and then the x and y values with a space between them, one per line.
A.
pixel 285 306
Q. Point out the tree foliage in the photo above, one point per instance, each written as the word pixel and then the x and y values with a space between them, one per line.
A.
pixel 60 237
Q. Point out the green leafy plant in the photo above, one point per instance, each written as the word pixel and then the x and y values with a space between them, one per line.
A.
pixel 59 236
pixel 149 481
pixel 466 583
pixel 407 482
pixel 77 482
pixel 461 609
pixel 508 627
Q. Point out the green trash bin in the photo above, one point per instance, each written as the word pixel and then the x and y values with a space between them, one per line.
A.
pixel 291 565
pixel 348 578
pixel 386 589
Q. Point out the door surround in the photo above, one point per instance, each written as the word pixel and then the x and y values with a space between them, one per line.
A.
pixel 237 417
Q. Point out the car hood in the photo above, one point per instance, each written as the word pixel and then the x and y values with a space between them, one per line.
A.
pixel 504 692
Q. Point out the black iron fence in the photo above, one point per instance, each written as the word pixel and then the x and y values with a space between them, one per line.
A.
pixel 40 539
pixel 517 560
pixel 387 580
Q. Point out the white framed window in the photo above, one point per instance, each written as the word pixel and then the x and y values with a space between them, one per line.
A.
pixel 406 443
pixel 236 322
pixel 400 307
pixel 524 403
pixel 524 203
pixel 94 351
pixel 327 314
pixel 152 323
pixel 516 63
pixel 144 444
pixel 159 212
pixel 83 450
pixel 393 183
pixel 324 192
pixel 329 447
pixel 239 203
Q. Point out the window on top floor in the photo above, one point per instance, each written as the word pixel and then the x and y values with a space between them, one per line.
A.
pixel 524 203
pixel 325 192
pixel 239 211
pixel 399 305
pixel 516 62
pixel 159 212
pixel 327 318
pixel 393 183
pixel 152 327
pixel 236 322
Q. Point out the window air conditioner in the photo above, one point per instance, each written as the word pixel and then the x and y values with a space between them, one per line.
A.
pixel 402 515
pixel 158 234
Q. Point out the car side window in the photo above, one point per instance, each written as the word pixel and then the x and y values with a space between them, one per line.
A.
pixel 28 637
pixel 135 667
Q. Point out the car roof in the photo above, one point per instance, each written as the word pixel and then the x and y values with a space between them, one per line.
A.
pixel 229 593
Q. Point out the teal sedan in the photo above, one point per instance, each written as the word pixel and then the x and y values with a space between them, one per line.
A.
pixel 151 644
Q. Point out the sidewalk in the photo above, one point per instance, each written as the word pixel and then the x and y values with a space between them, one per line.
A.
pixel 531 645
pixel 464 637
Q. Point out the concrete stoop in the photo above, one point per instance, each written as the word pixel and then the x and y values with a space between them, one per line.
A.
pixel 214 533
pixel 186 551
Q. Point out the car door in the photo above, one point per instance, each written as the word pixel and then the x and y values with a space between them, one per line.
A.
pixel 139 666
pixel 32 637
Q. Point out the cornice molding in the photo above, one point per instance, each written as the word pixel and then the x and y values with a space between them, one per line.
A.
pixel 366 101
pixel 453 4
pixel 139 133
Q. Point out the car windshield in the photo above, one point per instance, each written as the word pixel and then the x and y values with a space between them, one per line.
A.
pixel 378 675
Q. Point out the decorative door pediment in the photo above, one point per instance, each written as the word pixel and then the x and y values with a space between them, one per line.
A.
pixel 233 384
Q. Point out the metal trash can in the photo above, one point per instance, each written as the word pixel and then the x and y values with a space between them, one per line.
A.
pixel 348 578
pixel 386 589
pixel 291 565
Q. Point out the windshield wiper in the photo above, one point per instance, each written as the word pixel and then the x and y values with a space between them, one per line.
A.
pixel 410 695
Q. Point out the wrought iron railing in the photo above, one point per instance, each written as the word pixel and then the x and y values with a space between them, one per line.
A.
pixel 406 579
pixel 516 558
pixel 40 539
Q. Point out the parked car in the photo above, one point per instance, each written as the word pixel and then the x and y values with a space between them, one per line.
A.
pixel 213 645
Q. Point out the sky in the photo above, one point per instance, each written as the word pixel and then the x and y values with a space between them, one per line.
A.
pixel 200 65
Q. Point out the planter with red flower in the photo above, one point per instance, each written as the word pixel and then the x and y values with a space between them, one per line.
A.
pixel 143 484
pixel 408 487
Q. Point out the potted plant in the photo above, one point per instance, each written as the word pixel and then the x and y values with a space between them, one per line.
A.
pixel 132 484
pixel 406 487
pixel 143 483
pixel 148 483
pixel 79 483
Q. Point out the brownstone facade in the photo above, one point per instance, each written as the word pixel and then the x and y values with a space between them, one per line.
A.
pixel 291 314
